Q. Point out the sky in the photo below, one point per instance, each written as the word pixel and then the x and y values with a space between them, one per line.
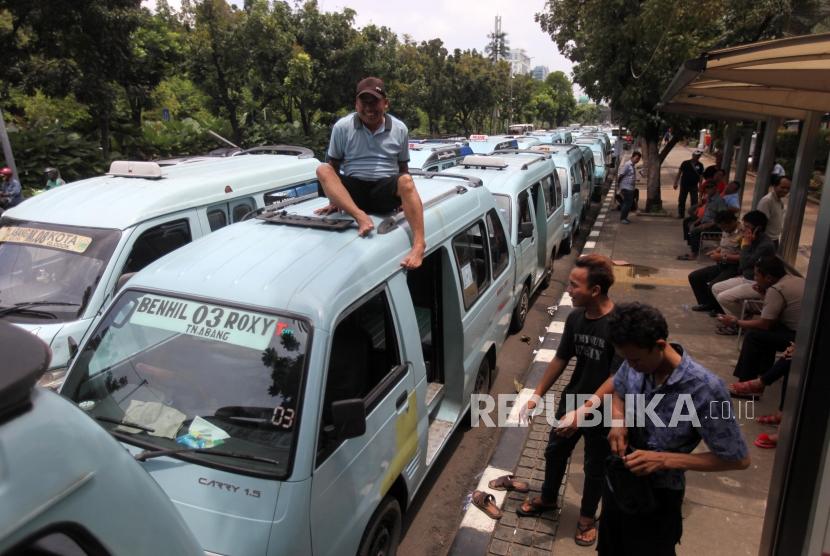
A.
pixel 460 24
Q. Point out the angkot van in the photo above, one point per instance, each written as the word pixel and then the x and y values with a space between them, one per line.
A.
pixel 288 384
pixel 526 188
pixel 485 144
pixel 65 252
pixel 68 487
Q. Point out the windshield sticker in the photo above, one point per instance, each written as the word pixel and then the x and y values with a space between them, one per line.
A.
pixel 233 326
pixel 478 137
pixel 47 238
pixel 203 434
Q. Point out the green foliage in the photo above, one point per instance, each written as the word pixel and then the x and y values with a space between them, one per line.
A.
pixel 38 148
pixel 588 113
pixel 786 149
pixel 40 110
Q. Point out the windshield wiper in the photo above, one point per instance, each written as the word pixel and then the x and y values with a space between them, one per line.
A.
pixel 25 307
pixel 123 423
pixel 150 454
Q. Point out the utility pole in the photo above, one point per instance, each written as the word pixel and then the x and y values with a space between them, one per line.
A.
pixel 497 47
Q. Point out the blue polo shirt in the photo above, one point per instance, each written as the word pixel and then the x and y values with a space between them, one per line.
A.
pixel 367 155
pixel 696 387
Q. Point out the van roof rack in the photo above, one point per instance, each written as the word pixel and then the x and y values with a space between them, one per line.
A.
pixel 472 181
pixel 483 161
pixel 391 222
pixel 290 150
pixel 540 156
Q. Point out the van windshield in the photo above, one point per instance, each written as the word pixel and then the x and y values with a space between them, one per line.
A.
pixel 49 271
pixel 188 374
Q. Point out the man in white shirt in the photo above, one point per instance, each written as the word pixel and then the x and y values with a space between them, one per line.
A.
pixel 772 205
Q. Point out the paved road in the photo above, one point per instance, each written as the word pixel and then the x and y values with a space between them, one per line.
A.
pixel 432 521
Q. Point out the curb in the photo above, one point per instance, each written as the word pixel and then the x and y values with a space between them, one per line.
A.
pixel 476 529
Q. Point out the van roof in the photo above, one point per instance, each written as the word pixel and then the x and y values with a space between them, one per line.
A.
pixel 508 169
pixel 121 202
pixel 302 269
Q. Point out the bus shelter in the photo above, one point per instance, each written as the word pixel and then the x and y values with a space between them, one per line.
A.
pixel 770 81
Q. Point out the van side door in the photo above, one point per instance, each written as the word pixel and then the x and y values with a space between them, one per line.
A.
pixel 365 361
pixel 527 231
pixel 554 212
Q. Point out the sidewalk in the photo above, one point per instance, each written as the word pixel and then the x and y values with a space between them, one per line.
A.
pixel 724 511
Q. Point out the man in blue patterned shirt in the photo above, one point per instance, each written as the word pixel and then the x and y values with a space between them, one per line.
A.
pixel 681 402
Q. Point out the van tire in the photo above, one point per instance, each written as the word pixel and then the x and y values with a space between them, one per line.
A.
pixel 482 384
pixel 383 534
pixel 520 311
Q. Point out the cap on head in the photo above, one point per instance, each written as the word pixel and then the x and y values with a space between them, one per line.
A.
pixel 697 152
pixel 6 171
pixel 371 86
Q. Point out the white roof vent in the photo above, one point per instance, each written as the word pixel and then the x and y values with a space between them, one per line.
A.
pixel 135 169
pixel 479 161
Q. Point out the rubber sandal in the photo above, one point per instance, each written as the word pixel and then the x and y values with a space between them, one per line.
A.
pixel 686 258
pixel 486 502
pixel 726 330
pixel 747 388
pixel 535 509
pixel 764 441
pixel 508 482
pixel 769 420
pixel 582 529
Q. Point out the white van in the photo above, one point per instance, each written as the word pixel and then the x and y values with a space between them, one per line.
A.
pixel 64 253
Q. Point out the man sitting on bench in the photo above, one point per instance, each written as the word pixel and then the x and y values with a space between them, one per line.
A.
pixel 372 150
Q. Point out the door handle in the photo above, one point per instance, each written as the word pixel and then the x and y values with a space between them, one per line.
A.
pixel 401 399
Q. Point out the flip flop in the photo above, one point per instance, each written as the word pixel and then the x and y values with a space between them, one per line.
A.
pixel 764 441
pixel 486 502
pixel 535 509
pixel 747 388
pixel 769 420
pixel 508 482
pixel 581 530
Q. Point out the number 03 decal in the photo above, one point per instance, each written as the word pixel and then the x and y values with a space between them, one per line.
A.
pixel 283 418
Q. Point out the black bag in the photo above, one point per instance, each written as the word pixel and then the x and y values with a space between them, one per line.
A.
pixel 632 493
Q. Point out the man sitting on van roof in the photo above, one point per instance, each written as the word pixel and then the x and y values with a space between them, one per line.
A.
pixel 372 150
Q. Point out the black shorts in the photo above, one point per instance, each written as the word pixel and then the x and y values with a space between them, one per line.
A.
pixel 375 196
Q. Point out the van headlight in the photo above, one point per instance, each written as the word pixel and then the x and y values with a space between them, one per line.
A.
pixel 53 379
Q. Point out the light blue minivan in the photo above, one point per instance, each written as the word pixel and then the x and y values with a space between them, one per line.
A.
pixel 65 252
pixel 484 144
pixel 288 384
pixel 68 488
pixel 526 187
pixel 575 182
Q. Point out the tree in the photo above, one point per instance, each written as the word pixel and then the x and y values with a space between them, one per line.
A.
pixel 628 52
pixel 497 48
pixel 561 91
pixel 587 113
pixel 473 88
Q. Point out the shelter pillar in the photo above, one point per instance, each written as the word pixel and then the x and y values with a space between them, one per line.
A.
pixel 804 162
pixel 743 160
pixel 728 148
pixel 766 160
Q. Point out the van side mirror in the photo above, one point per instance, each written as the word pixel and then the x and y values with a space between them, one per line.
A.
pixel 525 230
pixel 123 279
pixel 348 418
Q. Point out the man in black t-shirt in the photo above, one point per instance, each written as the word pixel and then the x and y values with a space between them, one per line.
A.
pixel 689 176
pixel 586 338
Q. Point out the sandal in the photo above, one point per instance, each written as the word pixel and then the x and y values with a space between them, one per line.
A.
pixel 537 507
pixel 774 419
pixel 766 441
pixel 725 330
pixel 687 257
pixel 508 482
pixel 748 388
pixel 581 530
pixel 486 502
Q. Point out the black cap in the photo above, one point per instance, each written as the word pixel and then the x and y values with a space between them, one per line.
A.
pixel 371 86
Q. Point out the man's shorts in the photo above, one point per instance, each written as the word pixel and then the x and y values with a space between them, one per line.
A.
pixel 375 196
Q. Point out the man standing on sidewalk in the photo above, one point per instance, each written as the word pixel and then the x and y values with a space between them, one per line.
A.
pixel 626 182
pixel 772 204
pixel 586 338
pixel 688 176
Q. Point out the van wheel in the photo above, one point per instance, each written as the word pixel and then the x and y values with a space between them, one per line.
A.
pixel 482 385
pixel 520 311
pixel 384 531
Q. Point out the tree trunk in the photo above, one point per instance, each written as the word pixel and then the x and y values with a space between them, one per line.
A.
pixel 104 129
pixel 653 163
pixel 667 148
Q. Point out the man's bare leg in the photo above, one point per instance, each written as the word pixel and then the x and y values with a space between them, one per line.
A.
pixel 340 198
pixel 413 209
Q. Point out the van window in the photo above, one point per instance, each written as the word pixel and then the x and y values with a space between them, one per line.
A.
pixel 549 189
pixel 299 190
pixel 576 179
pixel 503 206
pixel 217 218
pixel 556 189
pixel 364 362
pixel 472 258
pixel 240 208
pixel 498 243
pixel 157 242
pixel 525 214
